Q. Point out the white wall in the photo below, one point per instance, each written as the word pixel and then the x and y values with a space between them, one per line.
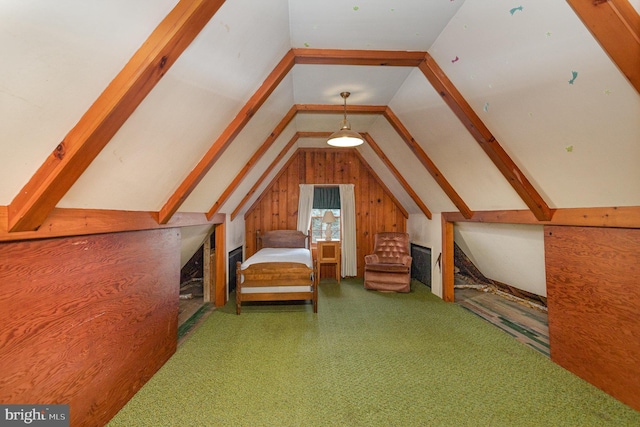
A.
pixel 509 253
pixel 191 240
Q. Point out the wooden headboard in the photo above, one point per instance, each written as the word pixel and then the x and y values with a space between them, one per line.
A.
pixel 281 239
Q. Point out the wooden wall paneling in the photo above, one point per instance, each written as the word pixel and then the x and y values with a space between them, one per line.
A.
pixel 363 218
pixel 320 166
pixel 376 210
pixel 593 296
pixel 274 205
pixel 282 203
pixel 292 198
pixel 308 167
pixel 389 220
pixel 302 169
pixel 339 169
pixel 87 320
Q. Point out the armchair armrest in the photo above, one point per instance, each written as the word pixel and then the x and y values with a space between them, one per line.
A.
pixel 406 260
pixel 371 259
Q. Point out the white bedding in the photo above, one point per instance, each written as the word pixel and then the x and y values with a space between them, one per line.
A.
pixel 301 255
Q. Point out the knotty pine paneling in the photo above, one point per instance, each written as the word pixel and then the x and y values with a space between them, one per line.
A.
pixel 593 296
pixel 86 321
pixel 277 207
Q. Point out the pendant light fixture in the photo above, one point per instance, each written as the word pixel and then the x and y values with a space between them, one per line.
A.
pixel 345 137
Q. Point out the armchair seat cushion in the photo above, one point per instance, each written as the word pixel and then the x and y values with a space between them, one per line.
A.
pixel 388 267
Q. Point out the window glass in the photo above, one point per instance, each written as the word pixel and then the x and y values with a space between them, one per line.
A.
pixel 318 227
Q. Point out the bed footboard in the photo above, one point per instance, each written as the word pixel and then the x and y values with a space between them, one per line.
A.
pixel 282 281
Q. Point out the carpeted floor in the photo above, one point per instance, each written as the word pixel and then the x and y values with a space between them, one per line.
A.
pixel 366 359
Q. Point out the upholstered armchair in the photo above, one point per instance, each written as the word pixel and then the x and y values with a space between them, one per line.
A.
pixel 389 267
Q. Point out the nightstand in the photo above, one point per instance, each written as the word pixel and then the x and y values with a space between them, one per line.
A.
pixel 329 253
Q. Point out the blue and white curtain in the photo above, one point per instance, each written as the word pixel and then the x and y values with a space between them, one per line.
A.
pixel 347 218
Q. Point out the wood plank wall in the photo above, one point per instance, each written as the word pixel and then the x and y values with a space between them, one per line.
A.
pixel 593 296
pixel 277 207
pixel 86 321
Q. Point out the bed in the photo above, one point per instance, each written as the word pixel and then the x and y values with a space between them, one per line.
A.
pixel 281 270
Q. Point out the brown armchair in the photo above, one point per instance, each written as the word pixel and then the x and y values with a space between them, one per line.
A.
pixel 389 267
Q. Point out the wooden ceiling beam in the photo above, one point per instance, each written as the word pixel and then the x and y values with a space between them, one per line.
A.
pixel 37 199
pixel 376 148
pixel 339 109
pixel 614 217
pixel 615 24
pixel 359 57
pixel 253 160
pixel 80 222
pixel 427 163
pixel 483 136
pixel 228 135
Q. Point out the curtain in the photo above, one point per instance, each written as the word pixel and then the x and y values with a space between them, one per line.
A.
pixel 348 226
pixel 305 205
pixel 326 198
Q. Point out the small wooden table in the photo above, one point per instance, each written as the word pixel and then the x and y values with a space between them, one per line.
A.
pixel 329 253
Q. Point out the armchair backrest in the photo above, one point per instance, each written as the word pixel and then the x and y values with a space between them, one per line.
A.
pixel 390 246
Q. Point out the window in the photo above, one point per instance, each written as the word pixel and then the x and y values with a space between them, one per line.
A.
pixel 325 199
pixel 318 227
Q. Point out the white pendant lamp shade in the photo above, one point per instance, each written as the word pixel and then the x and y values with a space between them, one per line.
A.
pixel 345 137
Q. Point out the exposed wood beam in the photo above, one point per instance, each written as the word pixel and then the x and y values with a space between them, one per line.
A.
pixel 427 163
pixel 79 222
pixel 447 261
pixel 382 184
pixel 227 136
pixel 37 199
pixel 253 160
pixel 339 109
pixel 358 57
pixel 264 175
pixel 220 261
pixel 615 24
pixel 314 134
pixel 376 148
pixel 614 217
pixel 483 136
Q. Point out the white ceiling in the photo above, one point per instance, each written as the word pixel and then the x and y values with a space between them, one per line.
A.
pixel 577 143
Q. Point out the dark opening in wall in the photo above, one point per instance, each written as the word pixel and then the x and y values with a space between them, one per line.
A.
pixel 234 256
pixel 193 269
pixel 421 264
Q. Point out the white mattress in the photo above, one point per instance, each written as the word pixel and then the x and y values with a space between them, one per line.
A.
pixel 301 255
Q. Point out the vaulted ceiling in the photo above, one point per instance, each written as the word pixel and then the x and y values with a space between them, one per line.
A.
pixel 182 106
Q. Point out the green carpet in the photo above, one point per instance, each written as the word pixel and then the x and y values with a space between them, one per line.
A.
pixel 366 359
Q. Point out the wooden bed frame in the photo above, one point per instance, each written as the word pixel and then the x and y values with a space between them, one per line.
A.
pixel 278 273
